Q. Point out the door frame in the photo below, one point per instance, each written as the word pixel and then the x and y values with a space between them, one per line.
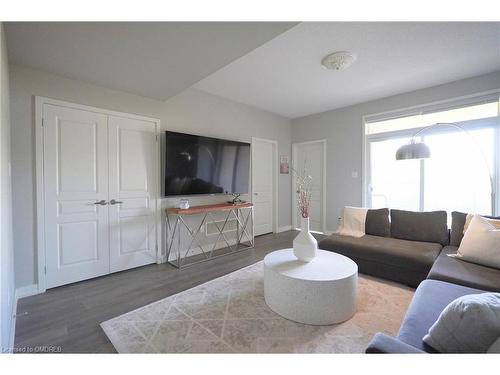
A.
pixel 295 225
pixel 275 178
pixel 40 250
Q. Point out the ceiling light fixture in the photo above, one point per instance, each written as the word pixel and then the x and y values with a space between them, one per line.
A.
pixel 338 60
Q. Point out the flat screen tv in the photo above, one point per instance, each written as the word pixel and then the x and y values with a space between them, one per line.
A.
pixel 203 165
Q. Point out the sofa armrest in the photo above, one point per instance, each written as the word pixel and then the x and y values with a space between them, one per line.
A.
pixel 382 343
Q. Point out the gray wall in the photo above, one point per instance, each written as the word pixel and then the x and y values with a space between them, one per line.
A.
pixel 343 130
pixel 6 246
pixel 192 111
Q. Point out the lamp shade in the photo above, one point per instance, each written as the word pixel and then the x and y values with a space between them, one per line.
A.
pixel 413 150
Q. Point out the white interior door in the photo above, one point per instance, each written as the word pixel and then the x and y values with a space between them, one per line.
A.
pixel 75 178
pixel 132 192
pixel 263 165
pixel 312 156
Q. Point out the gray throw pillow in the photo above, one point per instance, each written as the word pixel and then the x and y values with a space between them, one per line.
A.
pixel 420 226
pixel 469 324
pixel 377 222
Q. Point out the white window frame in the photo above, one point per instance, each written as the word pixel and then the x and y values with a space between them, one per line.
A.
pixel 489 96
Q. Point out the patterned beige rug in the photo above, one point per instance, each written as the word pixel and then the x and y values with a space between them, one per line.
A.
pixel 229 315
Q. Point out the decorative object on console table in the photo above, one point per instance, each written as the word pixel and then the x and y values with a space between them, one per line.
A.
pixel 236 199
pixel 184 204
pixel 304 245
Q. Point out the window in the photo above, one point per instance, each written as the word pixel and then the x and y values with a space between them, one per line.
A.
pixel 393 184
pixel 455 177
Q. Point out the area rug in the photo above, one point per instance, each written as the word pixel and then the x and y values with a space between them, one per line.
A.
pixel 229 315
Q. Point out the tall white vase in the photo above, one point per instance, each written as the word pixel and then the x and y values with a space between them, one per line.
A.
pixel 305 245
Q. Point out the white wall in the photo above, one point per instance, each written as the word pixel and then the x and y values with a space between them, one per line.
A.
pixel 6 246
pixel 192 111
pixel 343 129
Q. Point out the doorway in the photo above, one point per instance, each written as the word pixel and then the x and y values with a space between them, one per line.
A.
pixel 265 185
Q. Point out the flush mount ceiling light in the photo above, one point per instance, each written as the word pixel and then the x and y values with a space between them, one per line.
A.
pixel 338 60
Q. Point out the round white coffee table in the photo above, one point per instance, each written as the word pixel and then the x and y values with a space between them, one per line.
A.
pixel 320 292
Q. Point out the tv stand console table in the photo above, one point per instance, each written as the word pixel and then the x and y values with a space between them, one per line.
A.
pixel 181 255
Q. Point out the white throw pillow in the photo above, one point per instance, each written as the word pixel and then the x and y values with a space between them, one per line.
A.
pixel 468 219
pixel 469 324
pixel 353 222
pixel 481 243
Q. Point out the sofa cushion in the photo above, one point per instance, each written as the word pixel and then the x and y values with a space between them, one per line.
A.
pixel 399 274
pixel 457 227
pixel 413 255
pixel 382 343
pixel 378 223
pixel 461 272
pixel 430 299
pixel 420 226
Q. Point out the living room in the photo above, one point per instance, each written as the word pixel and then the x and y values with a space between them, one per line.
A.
pixel 259 187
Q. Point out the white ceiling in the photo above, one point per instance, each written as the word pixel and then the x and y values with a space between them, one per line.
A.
pixel 285 76
pixel 155 60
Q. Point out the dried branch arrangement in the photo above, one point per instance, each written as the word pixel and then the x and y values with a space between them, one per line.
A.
pixel 303 182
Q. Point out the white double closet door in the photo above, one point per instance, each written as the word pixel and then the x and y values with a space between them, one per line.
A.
pixel 100 190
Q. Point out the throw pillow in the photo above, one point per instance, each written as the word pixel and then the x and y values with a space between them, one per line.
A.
pixel 469 324
pixel 378 223
pixel 493 221
pixel 353 222
pixel 481 243
pixel 420 226
pixel 495 348
pixel 459 223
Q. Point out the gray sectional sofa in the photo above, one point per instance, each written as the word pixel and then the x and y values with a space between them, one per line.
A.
pixel 401 249
pixel 415 252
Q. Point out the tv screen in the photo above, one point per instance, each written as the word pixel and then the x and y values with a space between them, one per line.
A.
pixel 203 165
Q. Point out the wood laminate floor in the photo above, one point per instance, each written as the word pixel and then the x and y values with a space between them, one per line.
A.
pixel 68 317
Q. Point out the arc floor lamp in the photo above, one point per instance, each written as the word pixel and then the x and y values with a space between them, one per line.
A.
pixel 419 150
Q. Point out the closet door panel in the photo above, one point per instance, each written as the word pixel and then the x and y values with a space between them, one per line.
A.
pixel 75 178
pixel 132 192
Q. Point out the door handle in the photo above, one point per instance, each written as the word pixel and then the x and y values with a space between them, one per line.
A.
pixel 102 202
pixel 113 202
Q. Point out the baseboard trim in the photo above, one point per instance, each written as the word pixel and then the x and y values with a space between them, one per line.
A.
pixel 286 228
pixel 12 336
pixel 162 259
pixel 26 291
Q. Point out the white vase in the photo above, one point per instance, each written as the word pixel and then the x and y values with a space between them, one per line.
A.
pixel 305 245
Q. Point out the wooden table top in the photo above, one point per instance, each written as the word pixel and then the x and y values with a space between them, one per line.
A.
pixel 208 208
